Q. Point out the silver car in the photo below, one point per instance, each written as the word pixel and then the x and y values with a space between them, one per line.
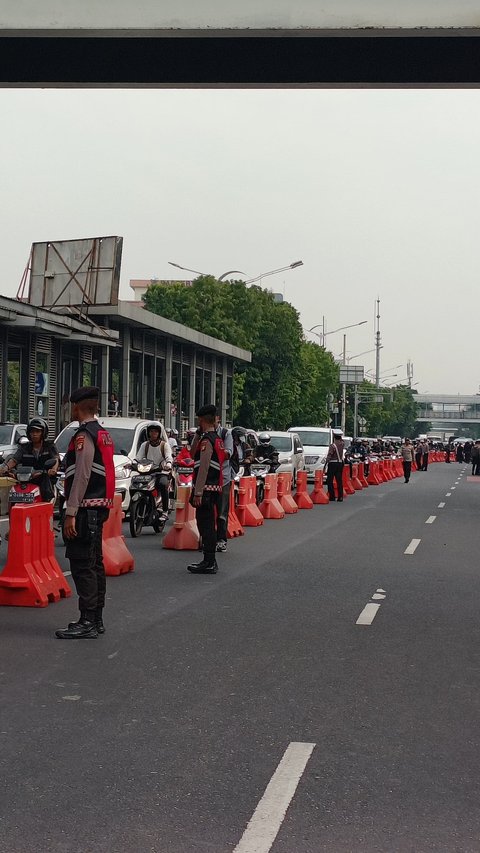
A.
pixel 290 453
pixel 10 435
pixel 128 435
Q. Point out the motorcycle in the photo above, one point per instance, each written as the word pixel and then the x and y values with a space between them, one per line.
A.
pixel 259 468
pixel 26 489
pixel 145 500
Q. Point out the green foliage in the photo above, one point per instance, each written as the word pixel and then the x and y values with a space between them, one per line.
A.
pixel 288 378
pixel 395 415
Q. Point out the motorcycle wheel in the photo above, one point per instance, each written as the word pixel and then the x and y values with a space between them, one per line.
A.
pixel 138 512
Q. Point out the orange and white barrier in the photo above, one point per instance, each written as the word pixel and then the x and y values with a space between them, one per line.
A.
pixel 32 576
pixel 234 528
pixel 271 506
pixel 184 535
pixel 319 495
pixel 117 559
pixel 284 494
pixel 248 512
pixel 301 496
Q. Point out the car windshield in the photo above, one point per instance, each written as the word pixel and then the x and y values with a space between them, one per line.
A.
pixel 282 443
pixel 5 433
pixel 314 439
pixel 122 439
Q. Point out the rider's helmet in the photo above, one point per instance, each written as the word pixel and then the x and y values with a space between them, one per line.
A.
pixel 264 437
pixel 191 433
pixel 157 427
pixel 239 434
pixel 37 423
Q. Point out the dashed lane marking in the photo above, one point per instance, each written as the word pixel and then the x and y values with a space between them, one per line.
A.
pixel 269 815
pixel 448 495
pixel 368 614
pixel 441 505
pixel 413 546
pixel 430 519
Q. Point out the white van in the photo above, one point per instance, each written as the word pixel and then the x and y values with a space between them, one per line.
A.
pixel 316 441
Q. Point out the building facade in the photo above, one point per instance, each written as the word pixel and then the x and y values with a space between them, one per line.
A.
pixel 154 367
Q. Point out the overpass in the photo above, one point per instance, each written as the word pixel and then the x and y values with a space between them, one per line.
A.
pixel 450 413
pixel 271 43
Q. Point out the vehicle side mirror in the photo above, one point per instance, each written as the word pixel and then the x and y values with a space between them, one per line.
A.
pixel 23 440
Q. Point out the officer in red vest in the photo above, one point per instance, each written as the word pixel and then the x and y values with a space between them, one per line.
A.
pixel 209 455
pixel 89 490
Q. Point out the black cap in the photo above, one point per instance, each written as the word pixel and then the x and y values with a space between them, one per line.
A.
pixel 208 411
pixel 89 392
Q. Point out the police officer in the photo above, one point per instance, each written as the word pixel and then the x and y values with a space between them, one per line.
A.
pixel 209 455
pixel 334 463
pixel 89 490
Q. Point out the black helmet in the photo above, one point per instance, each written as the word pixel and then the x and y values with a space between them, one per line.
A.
pixel 239 433
pixel 264 437
pixel 38 423
pixel 156 426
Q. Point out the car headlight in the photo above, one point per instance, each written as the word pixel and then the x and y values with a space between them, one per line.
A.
pixel 121 472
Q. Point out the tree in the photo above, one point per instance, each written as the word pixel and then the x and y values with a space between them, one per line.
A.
pixel 288 378
pixel 394 414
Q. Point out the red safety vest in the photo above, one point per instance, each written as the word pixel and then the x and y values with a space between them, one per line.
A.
pixel 101 485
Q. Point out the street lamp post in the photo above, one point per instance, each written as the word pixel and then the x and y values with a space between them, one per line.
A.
pixel 340 329
pixel 224 275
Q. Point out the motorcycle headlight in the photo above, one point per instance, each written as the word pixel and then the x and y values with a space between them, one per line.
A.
pixel 121 472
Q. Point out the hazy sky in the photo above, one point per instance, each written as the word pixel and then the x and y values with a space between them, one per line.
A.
pixel 377 192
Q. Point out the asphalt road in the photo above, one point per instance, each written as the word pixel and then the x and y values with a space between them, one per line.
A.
pixel 163 735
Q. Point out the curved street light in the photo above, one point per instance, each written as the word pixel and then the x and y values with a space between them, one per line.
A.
pixel 340 329
pixel 224 275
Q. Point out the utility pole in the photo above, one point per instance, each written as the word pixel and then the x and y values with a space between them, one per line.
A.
pixel 377 345
pixel 344 387
pixel 409 373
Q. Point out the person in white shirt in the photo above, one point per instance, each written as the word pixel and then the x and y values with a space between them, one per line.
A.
pixel 157 449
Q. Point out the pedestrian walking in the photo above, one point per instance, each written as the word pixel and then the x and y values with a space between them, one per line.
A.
pixel 407 453
pixel 334 465
pixel 419 455
pixel 209 456
pixel 475 457
pixel 425 452
pixel 467 451
pixel 89 490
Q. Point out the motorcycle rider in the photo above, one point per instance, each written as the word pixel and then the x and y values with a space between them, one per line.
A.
pixel 34 454
pixel 265 450
pixel 157 449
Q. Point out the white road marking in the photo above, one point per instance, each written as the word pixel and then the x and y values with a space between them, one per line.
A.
pixel 448 495
pixel 413 546
pixel 453 488
pixel 441 505
pixel 378 597
pixel 368 614
pixel 430 519
pixel 269 815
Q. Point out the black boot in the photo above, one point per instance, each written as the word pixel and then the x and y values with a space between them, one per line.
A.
pixel 84 629
pixel 99 620
pixel 208 566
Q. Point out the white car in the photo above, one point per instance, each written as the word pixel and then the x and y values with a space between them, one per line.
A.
pixel 128 435
pixel 290 453
pixel 10 435
pixel 315 441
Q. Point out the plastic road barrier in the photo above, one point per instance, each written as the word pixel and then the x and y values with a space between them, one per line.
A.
pixel 347 483
pixel 234 528
pixel 373 478
pixel 301 496
pixel 319 495
pixel 271 506
pixel 284 493
pixel 361 475
pixel 354 479
pixel 32 576
pixel 248 512
pixel 184 535
pixel 117 559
